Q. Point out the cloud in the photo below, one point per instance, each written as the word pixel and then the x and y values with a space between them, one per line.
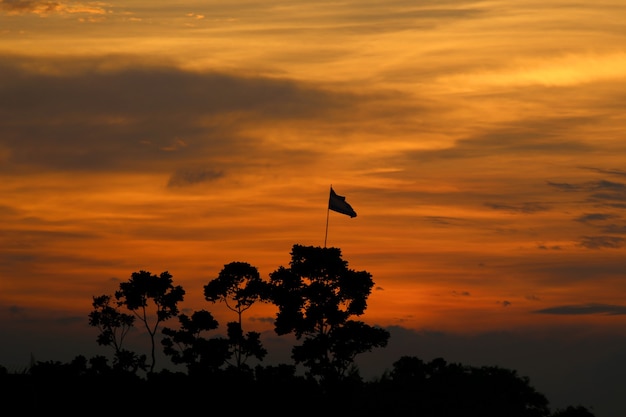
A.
pixel 26 6
pixel 608 185
pixel 263 319
pixel 146 118
pixel 594 217
pixel 608 191
pixel 527 208
pixel 44 8
pixel 440 220
pixel 614 228
pixel 190 176
pixel 16 309
pixel 545 247
pixel 614 171
pixel 584 309
pixel 604 193
pixel 599 242
pixel 564 186
pixel 537 136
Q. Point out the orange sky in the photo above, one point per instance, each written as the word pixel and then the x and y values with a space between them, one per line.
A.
pixel 481 144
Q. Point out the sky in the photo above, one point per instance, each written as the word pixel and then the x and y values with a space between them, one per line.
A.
pixel 480 143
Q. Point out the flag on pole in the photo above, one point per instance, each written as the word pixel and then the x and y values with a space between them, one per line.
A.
pixel 338 203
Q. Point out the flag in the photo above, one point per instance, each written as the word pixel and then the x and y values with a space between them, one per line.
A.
pixel 338 203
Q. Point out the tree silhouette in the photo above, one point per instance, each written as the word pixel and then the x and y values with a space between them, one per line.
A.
pixel 114 326
pixel 142 287
pixel 439 388
pixel 239 286
pixel 316 297
pixel 187 346
pixel 571 411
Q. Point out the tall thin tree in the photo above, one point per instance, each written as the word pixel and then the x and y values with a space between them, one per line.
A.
pixel 136 293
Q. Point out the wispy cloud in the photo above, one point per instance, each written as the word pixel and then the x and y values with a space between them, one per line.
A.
pixel 602 242
pixel 45 8
pixel 527 208
pixel 595 217
pixel 584 309
pixel 614 171
pixel 190 176
pixel 144 112
pixel 563 186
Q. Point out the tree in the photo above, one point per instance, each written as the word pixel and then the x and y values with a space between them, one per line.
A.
pixel 142 287
pixel 571 411
pixel 114 326
pixel 439 388
pixel 316 298
pixel 187 346
pixel 239 286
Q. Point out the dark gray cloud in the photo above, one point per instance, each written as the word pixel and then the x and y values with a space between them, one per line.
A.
pixel 544 136
pixel 439 220
pixel 601 242
pixel 602 193
pixel 8 211
pixel 553 247
pixel 608 191
pixel 79 116
pixel 28 6
pixel 263 319
pixel 595 217
pixel 527 208
pixel 598 190
pixel 584 309
pixel 614 171
pixel 615 228
pixel 190 176
pixel 46 8
pixel 563 186
pixel 607 185
pixel 15 309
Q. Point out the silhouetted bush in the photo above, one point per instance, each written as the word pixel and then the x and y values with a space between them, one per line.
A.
pixel 412 388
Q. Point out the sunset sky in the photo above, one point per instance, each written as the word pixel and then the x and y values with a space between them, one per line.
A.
pixel 481 144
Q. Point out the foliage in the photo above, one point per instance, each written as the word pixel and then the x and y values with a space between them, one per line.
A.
pixel 239 286
pixel 439 388
pixel 187 346
pixel 144 286
pixel 113 326
pixel 571 411
pixel 412 388
pixel 316 297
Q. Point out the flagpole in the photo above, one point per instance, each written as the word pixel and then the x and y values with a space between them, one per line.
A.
pixel 327 216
